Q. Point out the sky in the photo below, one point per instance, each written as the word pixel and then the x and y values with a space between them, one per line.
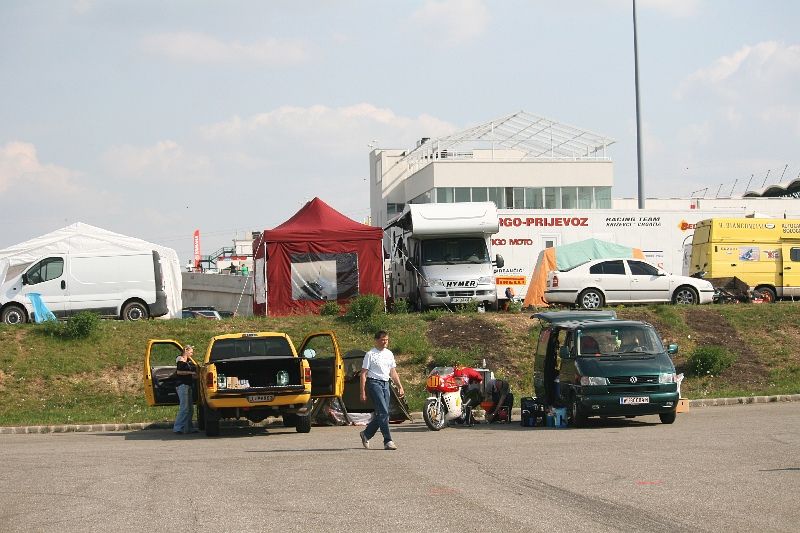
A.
pixel 156 118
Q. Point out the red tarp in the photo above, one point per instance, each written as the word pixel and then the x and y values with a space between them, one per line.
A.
pixel 318 255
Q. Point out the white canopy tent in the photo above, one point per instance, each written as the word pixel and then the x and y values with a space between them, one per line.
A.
pixel 79 238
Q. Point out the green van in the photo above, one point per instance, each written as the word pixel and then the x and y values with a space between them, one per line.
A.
pixel 600 366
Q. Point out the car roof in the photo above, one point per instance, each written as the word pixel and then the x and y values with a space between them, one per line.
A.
pixel 558 317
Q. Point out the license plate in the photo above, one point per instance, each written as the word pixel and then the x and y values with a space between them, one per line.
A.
pixel 460 300
pixel 261 398
pixel 634 400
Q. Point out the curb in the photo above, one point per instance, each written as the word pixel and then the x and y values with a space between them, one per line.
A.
pixel 86 428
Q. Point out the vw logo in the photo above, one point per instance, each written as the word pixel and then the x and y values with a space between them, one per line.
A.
pixel 633 379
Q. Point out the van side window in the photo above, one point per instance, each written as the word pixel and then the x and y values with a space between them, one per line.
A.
pixel 45 270
pixel 642 269
pixel 794 254
pixel 608 267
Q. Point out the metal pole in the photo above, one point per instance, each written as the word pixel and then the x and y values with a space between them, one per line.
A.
pixel 638 111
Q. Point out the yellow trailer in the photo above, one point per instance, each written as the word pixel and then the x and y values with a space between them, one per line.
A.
pixel 762 252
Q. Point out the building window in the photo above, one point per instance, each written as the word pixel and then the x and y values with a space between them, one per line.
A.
pixel 533 198
pixel 462 194
pixel 509 197
pixel 479 194
pixel 585 197
pixel 602 197
pixel 393 209
pixel 519 198
pixel 552 198
pixel 496 196
pixel 569 197
pixel 444 195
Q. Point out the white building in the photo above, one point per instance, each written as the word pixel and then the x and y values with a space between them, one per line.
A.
pixel 520 161
pixel 545 176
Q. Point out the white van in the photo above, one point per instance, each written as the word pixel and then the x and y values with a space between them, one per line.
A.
pixel 129 286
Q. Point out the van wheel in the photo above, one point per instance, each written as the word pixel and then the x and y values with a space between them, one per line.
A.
pixel 577 417
pixel 591 299
pixel 303 424
pixel 685 296
pixel 767 294
pixel 212 422
pixel 14 314
pixel 135 311
pixel 201 417
pixel 667 418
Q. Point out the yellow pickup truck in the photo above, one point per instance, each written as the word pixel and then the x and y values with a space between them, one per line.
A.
pixel 250 376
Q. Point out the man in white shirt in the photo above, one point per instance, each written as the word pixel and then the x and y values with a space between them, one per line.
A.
pixel 376 371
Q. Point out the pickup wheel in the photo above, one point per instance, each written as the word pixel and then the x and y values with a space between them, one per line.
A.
pixel 289 420
pixel 201 417
pixel 303 424
pixel 212 422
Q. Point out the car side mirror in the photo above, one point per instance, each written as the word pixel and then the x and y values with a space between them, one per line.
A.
pixel 499 261
pixel 564 352
pixel 309 353
pixel 672 349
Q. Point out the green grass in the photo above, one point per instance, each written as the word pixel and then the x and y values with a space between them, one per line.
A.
pixel 45 379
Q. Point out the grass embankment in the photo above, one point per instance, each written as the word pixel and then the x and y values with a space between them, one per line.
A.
pixel 50 380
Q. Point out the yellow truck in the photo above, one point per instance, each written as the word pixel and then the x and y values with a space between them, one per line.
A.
pixel 251 376
pixel 764 253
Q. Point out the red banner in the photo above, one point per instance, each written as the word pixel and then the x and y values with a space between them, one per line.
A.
pixel 197 248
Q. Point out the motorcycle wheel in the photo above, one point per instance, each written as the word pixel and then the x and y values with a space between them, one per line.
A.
pixel 433 413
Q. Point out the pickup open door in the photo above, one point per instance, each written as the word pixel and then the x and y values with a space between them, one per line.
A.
pixel 321 350
pixel 159 372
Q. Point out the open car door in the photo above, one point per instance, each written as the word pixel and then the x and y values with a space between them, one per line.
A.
pixel 321 350
pixel 160 382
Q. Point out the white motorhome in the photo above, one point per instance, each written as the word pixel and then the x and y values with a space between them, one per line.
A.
pixel 129 286
pixel 441 254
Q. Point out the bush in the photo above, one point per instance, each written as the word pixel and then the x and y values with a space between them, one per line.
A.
pixel 79 326
pixel 709 360
pixel 330 309
pixel 363 307
pixel 470 307
pixel 400 306
pixel 514 306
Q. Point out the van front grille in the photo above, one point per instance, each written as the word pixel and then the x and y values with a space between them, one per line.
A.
pixel 626 380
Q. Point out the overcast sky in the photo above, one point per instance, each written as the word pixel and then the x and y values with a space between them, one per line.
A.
pixel 156 118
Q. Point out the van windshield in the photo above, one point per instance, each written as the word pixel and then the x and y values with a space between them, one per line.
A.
pixel 629 340
pixel 454 251
pixel 250 347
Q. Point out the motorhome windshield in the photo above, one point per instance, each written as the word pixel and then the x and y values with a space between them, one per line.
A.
pixel 454 251
pixel 619 341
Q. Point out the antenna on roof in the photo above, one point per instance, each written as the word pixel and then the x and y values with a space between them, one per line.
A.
pixel 765 178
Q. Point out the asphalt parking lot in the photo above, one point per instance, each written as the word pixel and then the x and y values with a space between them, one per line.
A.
pixel 717 468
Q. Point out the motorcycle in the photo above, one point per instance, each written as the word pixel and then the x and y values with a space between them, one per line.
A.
pixel 444 404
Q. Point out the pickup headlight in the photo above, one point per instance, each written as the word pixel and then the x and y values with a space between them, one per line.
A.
pixel 433 282
pixel 593 380
pixel 485 280
pixel 666 378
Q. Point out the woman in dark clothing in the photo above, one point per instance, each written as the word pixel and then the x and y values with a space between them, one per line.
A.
pixel 185 373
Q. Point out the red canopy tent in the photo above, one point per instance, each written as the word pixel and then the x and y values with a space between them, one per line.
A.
pixel 316 256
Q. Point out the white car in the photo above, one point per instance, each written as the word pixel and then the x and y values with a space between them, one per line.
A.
pixel 623 280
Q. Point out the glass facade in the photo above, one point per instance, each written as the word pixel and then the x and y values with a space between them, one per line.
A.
pixel 521 197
